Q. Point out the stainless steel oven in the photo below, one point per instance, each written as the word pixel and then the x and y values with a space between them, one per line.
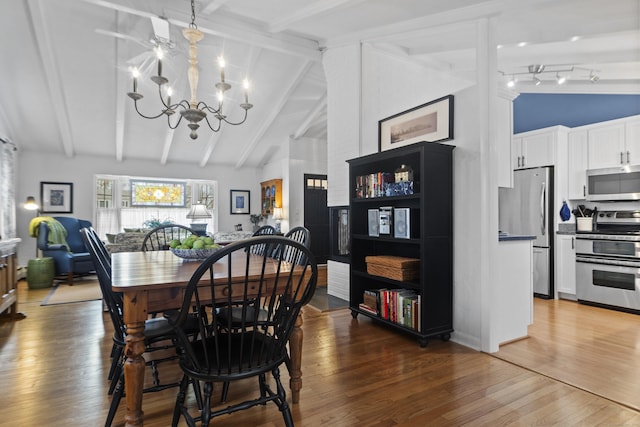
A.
pixel 608 261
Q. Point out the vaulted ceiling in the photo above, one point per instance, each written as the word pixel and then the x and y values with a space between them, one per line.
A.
pixel 64 73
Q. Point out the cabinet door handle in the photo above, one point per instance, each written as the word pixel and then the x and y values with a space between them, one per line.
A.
pixel 584 191
pixel 573 243
pixel 628 158
pixel 621 158
pixel 518 161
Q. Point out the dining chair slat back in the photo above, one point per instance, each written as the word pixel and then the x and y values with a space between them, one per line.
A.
pixel 269 293
pixel 160 237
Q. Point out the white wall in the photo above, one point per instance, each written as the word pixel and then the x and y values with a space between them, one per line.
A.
pixel 303 155
pixel 34 167
pixel 392 84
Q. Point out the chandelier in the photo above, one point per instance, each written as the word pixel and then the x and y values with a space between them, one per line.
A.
pixel 193 110
pixel 562 72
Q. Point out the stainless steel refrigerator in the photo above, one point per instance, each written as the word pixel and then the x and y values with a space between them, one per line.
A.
pixel 527 209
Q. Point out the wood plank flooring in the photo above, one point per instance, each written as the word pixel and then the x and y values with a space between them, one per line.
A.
pixel 355 372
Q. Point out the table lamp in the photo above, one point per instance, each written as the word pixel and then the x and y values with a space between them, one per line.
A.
pixel 277 216
pixel 199 212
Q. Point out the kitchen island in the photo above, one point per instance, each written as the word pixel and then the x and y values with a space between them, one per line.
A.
pixel 514 289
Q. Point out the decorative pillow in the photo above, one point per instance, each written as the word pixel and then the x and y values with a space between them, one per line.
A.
pixel 111 238
pixel 131 230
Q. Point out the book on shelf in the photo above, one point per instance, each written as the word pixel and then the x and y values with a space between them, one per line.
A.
pixel 365 307
pixel 373 184
pixel 401 306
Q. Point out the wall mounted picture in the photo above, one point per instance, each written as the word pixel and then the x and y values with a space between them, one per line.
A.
pixel 430 122
pixel 56 197
pixel 240 202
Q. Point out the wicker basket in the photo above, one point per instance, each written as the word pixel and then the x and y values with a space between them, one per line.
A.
pixel 393 267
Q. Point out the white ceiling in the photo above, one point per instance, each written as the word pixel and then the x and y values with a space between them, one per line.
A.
pixel 64 75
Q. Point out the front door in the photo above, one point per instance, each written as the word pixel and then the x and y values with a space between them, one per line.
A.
pixel 316 215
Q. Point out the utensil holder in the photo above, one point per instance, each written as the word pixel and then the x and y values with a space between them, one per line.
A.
pixel 585 223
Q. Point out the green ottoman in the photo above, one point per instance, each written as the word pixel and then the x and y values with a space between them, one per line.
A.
pixel 40 273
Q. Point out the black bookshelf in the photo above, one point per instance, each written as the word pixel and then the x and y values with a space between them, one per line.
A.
pixel 430 238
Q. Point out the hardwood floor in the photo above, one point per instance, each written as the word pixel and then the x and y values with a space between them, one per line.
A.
pixel 355 372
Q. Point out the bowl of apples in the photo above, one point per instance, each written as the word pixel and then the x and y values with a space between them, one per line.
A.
pixel 194 248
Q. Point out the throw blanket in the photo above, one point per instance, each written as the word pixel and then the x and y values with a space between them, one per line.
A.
pixel 57 232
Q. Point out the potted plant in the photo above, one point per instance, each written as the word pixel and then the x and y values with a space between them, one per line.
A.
pixel 256 219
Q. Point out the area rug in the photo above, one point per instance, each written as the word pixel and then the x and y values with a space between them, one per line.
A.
pixel 85 289
pixel 322 301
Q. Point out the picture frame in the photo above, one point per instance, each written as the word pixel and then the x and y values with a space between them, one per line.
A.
pixel 56 197
pixel 430 122
pixel 240 202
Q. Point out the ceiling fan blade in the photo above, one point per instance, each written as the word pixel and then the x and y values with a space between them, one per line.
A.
pixel 161 28
pixel 123 37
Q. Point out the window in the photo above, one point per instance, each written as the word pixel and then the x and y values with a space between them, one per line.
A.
pixel 118 208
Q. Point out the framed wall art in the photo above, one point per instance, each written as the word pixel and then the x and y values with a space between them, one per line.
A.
pixel 56 197
pixel 430 122
pixel 240 202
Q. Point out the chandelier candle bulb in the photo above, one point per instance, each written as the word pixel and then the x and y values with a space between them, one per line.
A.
pixel 159 55
pixel 222 64
pixel 191 110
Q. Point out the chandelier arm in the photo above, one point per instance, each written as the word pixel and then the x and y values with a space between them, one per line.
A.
pixel 177 123
pixel 135 103
pixel 204 106
pixel 236 123
pixel 206 119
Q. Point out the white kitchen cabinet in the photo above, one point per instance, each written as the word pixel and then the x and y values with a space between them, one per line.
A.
pixel 632 141
pixel 607 147
pixel 533 149
pixel 512 309
pixel 565 266
pixel 577 164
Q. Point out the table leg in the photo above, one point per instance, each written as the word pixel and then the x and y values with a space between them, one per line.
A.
pixel 295 354
pixel 135 314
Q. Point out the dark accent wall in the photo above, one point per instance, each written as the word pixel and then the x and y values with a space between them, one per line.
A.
pixel 539 110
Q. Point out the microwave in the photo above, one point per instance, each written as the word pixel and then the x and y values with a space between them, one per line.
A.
pixel 614 184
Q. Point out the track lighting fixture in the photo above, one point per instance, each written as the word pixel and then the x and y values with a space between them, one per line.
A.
pixel 562 73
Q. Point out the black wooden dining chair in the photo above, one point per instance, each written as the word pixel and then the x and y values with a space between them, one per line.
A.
pixel 270 294
pixel 265 230
pixel 158 332
pixel 159 238
pixel 299 234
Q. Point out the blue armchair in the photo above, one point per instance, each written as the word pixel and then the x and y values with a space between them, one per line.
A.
pixel 74 261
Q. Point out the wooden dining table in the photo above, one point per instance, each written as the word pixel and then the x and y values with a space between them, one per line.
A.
pixel 154 281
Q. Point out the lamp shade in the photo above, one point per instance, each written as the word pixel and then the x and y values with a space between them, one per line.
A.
pixel 277 213
pixel 31 204
pixel 198 211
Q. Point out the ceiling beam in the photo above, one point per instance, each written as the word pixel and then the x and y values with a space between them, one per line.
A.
pixel 213 6
pixel 399 30
pixel 46 49
pixel 252 60
pixel 226 26
pixel 308 12
pixel 166 148
pixel 120 100
pixel 275 110
pixel 313 113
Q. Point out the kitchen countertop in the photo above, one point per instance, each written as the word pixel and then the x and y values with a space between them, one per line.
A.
pixel 511 237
